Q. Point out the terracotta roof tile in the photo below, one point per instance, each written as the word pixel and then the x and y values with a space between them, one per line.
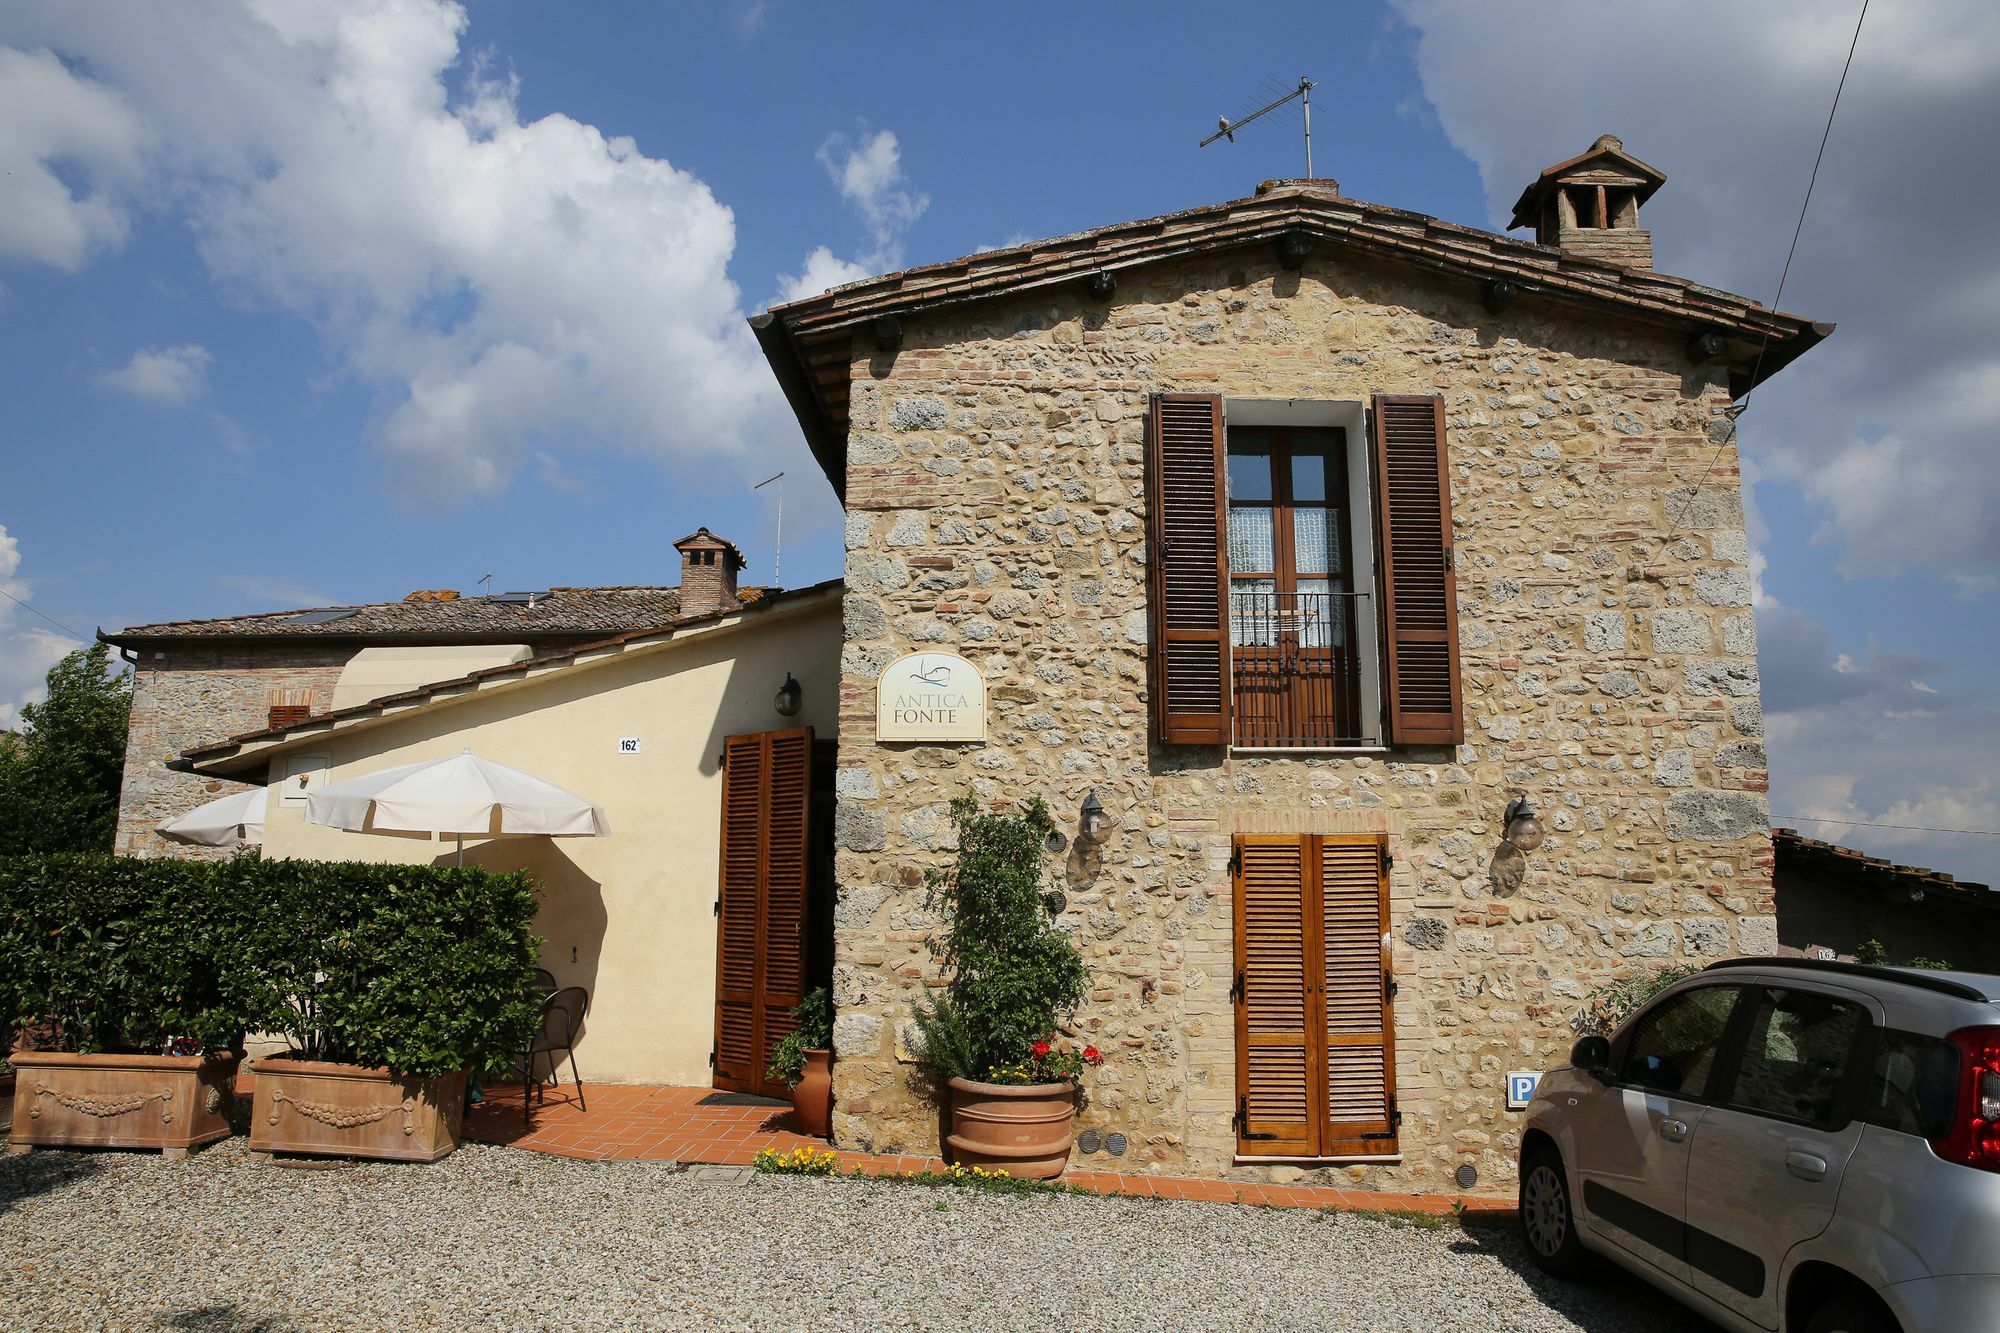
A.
pixel 1801 852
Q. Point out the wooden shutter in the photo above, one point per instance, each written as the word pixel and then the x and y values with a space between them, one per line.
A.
pixel 1275 1073
pixel 1189 603
pixel 761 902
pixel 1315 1044
pixel 1360 1042
pixel 1419 598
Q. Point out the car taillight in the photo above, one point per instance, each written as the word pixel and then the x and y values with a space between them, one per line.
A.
pixel 1974 1137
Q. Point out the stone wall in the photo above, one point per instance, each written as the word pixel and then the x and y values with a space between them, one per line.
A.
pixel 996 508
pixel 188 696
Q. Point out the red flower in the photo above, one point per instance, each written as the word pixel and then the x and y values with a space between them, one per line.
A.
pixel 1041 1049
pixel 1092 1056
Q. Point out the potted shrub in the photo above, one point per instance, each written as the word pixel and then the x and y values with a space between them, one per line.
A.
pixel 390 984
pixel 1011 977
pixel 118 986
pixel 803 1061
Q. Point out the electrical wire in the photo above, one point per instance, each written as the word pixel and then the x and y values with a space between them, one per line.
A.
pixel 51 619
pixel 1863 823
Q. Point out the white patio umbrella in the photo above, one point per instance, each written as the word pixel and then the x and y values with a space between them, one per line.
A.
pixel 462 796
pixel 222 822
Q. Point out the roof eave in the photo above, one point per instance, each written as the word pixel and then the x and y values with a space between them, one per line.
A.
pixel 830 453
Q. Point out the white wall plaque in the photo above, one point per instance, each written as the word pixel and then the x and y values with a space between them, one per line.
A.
pixel 930 697
pixel 1521 1084
pixel 628 745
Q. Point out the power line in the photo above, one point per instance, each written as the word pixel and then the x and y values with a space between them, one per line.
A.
pixel 51 619
pixel 1736 412
pixel 1863 823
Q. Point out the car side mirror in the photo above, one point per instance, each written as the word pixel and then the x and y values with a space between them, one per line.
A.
pixel 1592 1055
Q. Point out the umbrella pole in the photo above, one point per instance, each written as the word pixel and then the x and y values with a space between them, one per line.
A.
pixel 461 851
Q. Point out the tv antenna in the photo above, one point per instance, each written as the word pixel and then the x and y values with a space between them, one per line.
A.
pixel 778 552
pixel 1226 128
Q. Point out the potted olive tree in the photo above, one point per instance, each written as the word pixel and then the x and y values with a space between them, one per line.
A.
pixel 1011 978
pixel 119 994
pixel 390 984
pixel 803 1061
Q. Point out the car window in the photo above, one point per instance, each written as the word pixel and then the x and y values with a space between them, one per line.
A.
pixel 1914 1085
pixel 1796 1055
pixel 1672 1048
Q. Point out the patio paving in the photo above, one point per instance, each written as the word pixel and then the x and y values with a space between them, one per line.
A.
pixel 690 1125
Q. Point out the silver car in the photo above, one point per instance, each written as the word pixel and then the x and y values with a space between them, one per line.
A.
pixel 1784 1144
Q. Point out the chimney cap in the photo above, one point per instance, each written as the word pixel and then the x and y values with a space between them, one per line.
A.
pixel 1606 163
pixel 701 539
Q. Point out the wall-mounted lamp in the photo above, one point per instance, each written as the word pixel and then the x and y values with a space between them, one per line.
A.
pixel 1523 832
pixel 1096 819
pixel 790 696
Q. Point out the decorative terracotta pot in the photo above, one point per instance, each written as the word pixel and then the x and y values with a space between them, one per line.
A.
pixel 1023 1130
pixel 812 1098
pixel 336 1110
pixel 168 1102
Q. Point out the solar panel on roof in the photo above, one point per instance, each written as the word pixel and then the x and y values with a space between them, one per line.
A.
pixel 519 598
pixel 322 617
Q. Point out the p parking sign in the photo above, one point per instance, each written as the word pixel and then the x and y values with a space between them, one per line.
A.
pixel 1521 1088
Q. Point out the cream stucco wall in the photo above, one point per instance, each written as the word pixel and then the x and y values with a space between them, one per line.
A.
pixel 630 916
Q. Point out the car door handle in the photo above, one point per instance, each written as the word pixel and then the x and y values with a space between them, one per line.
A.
pixel 1674 1131
pixel 1805 1166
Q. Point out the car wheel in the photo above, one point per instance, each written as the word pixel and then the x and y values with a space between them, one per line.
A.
pixel 1548 1223
pixel 1850 1314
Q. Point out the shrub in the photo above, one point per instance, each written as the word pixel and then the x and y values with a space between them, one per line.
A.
pixel 1611 1004
pixel 1011 975
pixel 109 953
pixel 814 1016
pixel 424 969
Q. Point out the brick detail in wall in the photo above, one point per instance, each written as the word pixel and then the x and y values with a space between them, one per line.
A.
pixel 995 509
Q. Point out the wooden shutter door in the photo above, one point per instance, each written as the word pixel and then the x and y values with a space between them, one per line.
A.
pixel 1189 602
pixel 1276 1055
pixel 1419 597
pixel 761 902
pixel 1360 1040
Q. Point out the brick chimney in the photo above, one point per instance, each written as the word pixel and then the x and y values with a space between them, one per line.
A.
pixel 1589 205
pixel 708 573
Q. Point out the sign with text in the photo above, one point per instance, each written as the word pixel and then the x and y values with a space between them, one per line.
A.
pixel 930 697
pixel 1521 1084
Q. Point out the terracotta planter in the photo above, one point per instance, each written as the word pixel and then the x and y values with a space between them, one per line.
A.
pixel 336 1110
pixel 168 1102
pixel 812 1099
pixel 1023 1130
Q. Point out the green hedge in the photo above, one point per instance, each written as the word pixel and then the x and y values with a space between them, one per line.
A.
pixel 424 969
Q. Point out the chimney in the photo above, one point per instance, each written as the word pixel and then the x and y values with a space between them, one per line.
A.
pixel 708 574
pixel 1589 205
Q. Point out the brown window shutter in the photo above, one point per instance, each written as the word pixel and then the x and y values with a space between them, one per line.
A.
pixel 1360 1036
pixel 761 902
pixel 1189 602
pixel 1276 1056
pixel 1419 598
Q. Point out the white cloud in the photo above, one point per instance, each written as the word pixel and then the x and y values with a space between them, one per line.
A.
pixel 1887 427
pixel 58 125
pixel 868 172
pixel 505 283
pixel 172 375
pixel 27 651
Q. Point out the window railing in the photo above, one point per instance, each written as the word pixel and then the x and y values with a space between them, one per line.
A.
pixel 1295 669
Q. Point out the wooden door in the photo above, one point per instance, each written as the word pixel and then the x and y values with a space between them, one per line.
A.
pixel 1315 1048
pixel 761 903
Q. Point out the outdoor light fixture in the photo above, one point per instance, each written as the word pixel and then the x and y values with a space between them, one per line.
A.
pixel 1524 832
pixel 1096 819
pixel 790 696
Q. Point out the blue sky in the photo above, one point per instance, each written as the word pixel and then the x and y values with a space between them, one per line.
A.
pixel 303 304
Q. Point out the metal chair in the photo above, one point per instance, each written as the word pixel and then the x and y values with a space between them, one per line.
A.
pixel 562 1015
pixel 545 982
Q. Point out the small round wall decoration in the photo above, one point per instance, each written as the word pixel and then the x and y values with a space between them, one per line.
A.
pixel 1466 1176
pixel 1089 1141
pixel 1115 1144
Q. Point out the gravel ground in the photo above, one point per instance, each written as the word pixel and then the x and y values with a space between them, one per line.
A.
pixel 492 1237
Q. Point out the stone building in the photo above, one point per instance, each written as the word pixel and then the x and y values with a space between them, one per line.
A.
pixel 1306 533
pixel 195 681
pixel 1836 902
